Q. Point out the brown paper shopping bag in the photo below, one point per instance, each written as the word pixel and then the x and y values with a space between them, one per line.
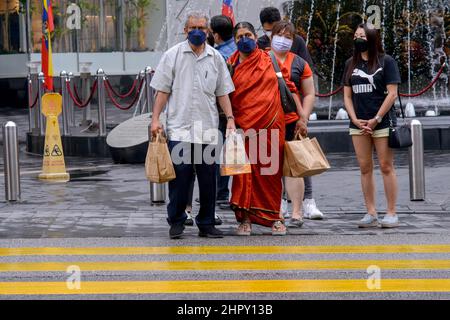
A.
pixel 234 158
pixel 304 158
pixel 158 163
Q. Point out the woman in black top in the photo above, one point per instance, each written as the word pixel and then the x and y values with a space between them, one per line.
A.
pixel 371 80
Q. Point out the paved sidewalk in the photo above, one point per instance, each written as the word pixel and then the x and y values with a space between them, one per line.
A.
pixel 107 200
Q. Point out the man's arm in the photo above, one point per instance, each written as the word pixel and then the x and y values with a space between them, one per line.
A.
pixel 225 104
pixel 160 102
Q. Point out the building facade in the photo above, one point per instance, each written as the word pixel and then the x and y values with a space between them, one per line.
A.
pixel 120 36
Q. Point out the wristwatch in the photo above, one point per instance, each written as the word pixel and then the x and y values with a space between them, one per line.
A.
pixel 230 118
pixel 379 119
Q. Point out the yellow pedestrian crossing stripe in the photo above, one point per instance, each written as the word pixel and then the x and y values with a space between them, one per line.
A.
pixel 221 262
pixel 227 265
pixel 225 250
pixel 228 286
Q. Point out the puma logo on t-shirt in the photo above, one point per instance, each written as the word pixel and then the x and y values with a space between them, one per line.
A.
pixel 365 88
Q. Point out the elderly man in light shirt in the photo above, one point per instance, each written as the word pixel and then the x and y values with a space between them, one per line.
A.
pixel 190 78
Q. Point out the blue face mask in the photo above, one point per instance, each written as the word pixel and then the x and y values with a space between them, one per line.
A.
pixel 197 37
pixel 246 45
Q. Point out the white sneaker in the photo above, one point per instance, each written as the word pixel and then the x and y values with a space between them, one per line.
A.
pixel 310 210
pixel 284 208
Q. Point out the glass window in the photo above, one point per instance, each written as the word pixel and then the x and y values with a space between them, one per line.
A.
pixel 101 23
pixel 9 26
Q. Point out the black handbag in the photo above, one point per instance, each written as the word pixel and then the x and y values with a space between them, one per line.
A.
pixel 400 137
pixel 287 100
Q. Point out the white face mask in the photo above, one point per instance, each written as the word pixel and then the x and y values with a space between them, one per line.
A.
pixel 268 33
pixel 281 44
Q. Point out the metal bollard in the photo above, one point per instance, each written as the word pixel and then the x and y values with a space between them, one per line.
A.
pixel 11 161
pixel 65 103
pixel 158 193
pixel 148 89
pixel 39 115
pixel 416 163
pixel 70 105
pixel 157 190
pixel 101 102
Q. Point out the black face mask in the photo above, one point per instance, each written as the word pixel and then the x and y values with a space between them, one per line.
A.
pixel 361 45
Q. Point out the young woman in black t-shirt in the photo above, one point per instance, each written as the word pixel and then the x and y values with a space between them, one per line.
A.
pixel 371 80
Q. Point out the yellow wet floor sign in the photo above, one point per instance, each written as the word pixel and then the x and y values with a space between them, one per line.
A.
pixel 53 167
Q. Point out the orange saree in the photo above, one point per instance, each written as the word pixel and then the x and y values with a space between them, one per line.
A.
pixel 257 105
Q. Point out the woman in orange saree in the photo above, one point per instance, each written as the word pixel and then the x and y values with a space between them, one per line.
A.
pixel 256 197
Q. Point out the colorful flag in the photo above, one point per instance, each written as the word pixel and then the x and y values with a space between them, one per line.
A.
pixel 227 9
pixel 46 52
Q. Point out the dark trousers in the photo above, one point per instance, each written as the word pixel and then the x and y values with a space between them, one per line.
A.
pixel 223 191
pixel 179 188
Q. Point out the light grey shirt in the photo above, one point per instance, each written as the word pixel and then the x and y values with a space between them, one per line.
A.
pixel 194 83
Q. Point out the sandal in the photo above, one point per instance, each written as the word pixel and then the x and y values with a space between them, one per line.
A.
pixel 279 229
pixel 244 229
pixel 296 223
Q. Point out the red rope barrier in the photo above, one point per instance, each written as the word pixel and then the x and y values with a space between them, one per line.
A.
pixel 432 83
pixel 327 95
pixel 35 101
pixel 413 95
pixel 76 92
pixel 76 101
pixel 117 105
pixel 122 96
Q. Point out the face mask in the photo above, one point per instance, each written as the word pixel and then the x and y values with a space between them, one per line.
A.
pixel 281 44
pixel 268 33
pixel 361 45
pixel 197 37
pixel 246 45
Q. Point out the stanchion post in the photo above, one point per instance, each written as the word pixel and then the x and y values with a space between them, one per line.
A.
pixel 157 190
pixel 70 105
pixel 101 102
pixel 33 87
pixel 148 89
pixel 85 77
pixel 11 161
pixel 416 163
pixel 40 117
pixel 30 102
pixel 142 93
pixel 65 103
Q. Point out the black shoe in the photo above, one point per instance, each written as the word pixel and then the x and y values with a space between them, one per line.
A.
pixel 210 232
pixel 176 231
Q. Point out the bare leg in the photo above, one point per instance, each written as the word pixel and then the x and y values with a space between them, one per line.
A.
pixel 364 152
pixel 386 159
pixel 295 188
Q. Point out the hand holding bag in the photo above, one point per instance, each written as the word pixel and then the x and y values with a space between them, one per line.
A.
pixel 400 137
pixel 304 158
pixel 158 163
pixel 234 158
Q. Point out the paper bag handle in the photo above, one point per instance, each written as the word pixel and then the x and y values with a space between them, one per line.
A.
pixel 160 137
pixel 298 136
